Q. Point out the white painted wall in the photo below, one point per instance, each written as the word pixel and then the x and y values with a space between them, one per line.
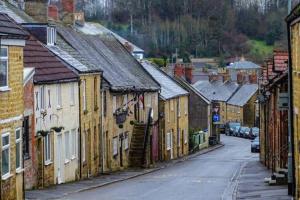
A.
pixel 66 115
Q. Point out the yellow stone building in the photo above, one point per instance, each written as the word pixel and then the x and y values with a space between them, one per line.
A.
pixel 241 107
pixel 173 109
pixel 294 70
pixel 11 108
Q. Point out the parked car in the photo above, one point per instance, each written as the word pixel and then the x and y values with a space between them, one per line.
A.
pixel 222 129
pixel 236 130
pixel 230 127
pixel 241 132
pixel 255 147
pixel 246 133
pixel 254 132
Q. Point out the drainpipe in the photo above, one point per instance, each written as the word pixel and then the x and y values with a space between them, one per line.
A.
pixel 102 131
pixel 79 131
pixel 291 155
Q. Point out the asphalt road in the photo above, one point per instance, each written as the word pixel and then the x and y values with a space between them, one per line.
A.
pixel 209 176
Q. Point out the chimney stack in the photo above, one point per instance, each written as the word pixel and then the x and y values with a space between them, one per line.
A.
pixel 37 9
pixel 179 70
pixel 188 71
pixel 213 77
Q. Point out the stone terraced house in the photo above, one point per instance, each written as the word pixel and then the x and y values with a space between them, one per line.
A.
pixel 11 107
pixel 174 112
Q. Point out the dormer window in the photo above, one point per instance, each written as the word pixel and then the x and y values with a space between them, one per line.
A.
pixel 51 35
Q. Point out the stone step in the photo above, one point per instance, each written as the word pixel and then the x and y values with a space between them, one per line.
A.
pixel 283 171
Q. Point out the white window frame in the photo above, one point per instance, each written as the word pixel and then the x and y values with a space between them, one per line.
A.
pixel 67 146
pixel 149 100
pixel 42 98
pixel 185 136
pixel 115 146
pixel 58 96
pixel 19 142
pixel 179 107
pixel 73 143
pixel 51 36
pixel 114 104
pixel 72 94
pixel 5 147
pixel 84 95
pixel 168 141
pixel 126 142
pixel 125 101
pixel 5 58
pixel 83 156
pixel 186 107
pixel 47 149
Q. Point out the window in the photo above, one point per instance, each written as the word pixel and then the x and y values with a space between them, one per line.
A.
pixel 168 141
pixel 83 147
pixel 18 149
pixel 104 104
pixel 4 67
pixel 51 35
pixel 186 107
pixel 126 142
pixel 37 100
pixel 178 107
pixel 95 93
pixel 73 143
pixel 5 155
pixel 47 147
pixel 172 104
pixel 115 146
pixel 49 97
pixel 72 94
pixel 58 95
pixel 84 94
pixel 114 108
pixel 125 101
pixel 43 98
pixel 149 100
pixel 178 137
pixel 185 136
pixel 67 146
pixel 155 99
pixel 26 137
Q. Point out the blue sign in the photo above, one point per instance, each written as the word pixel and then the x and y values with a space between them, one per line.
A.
pixel 216 118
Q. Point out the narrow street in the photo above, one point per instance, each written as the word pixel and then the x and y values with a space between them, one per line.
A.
pixel 209 176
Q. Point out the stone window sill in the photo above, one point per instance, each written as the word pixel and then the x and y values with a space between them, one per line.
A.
pixel 7 176
pixel 5 89
pixel 48 162
pixel 59 108
pixel 67 162
pixel 19 171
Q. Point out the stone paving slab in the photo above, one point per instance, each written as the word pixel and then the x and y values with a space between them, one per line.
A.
pixel 59 191
pixel 251 184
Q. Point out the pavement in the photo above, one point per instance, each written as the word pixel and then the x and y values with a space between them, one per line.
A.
pixel 64 190
pixel 230 172
pixel 251 184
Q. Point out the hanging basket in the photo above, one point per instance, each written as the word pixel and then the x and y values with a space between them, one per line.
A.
pixel 121 117
pixel 57 129
pixel 43 133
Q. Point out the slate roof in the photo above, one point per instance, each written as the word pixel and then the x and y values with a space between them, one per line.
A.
pixel 17 14
pixel 216 90
pixel 243 65
pixel 243 95
pixel 72 57
pixel 91 28
pixel 10 29
pixel 169 88
pixel 120 69
pixel 48 67
pixel 185 84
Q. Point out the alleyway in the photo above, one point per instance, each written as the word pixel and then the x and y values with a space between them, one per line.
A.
pixel 210 176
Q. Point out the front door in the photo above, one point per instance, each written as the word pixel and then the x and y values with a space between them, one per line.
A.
pixel 60 162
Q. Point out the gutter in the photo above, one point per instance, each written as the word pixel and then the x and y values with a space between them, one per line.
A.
pixel 291 154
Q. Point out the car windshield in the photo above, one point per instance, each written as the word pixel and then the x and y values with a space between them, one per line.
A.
pixel 232 125
pixel 247 129
pixel 256 130
pixel 243 128
pixel 256 139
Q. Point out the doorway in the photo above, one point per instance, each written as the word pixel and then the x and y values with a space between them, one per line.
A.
pixel 60 163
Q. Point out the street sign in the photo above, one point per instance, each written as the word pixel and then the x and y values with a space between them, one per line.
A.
pixel 216 117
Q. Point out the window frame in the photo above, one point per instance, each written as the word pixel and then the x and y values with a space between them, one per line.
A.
pixel 51 36
pixel 84 103
pixel 168 141
pixel 3 148
pixel 19 141
pixel 42 98
pixel 67 146
pixel 58 96
pixel 114 104
pixel 83 156
pixel 47 149
pixel 5 87
pixel 115 146
pixel 72 94
pixel 73 145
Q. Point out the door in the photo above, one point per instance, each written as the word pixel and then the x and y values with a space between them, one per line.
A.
pixel 121 149
pixel 60 162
